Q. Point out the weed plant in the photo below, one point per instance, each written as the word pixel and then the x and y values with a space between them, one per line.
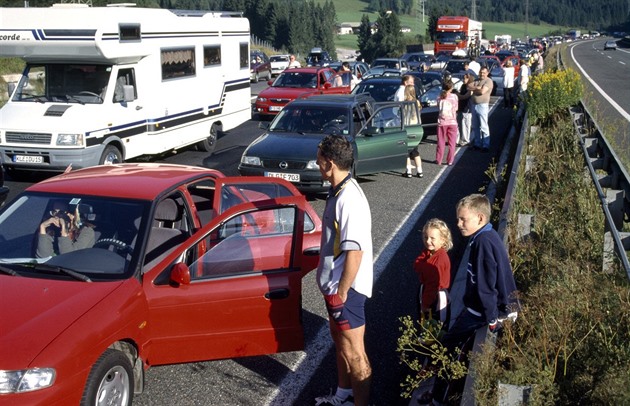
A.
pixel 570 340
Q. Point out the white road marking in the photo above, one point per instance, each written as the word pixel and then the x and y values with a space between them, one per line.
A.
pixel 600 90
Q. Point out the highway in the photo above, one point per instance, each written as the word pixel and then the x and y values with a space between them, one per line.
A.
pixel 399 208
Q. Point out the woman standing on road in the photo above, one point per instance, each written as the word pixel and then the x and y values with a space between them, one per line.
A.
pixel 412 116
pixel 508 84
pixel 447 124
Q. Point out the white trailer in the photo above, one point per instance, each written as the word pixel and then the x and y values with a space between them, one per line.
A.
pixel 105 84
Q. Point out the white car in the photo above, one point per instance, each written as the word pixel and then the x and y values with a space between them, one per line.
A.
pixel 610 44
pixel 278 64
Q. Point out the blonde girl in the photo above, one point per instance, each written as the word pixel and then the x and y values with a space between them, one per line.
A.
pixel 433 267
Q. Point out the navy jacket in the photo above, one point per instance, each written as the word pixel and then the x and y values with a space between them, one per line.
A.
pixel 490 286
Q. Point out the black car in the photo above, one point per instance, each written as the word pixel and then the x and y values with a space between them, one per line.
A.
pixel 416 59
pixel 318 57
pixel 381 135
pixel 383 89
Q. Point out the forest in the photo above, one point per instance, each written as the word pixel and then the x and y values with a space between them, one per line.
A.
pixel 296 26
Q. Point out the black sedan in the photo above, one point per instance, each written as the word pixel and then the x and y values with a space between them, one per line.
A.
pixel 384 88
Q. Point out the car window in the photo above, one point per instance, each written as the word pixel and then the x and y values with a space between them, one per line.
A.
pixel 102 244
pixel 247 244
pixel 386 119
pixel 296 79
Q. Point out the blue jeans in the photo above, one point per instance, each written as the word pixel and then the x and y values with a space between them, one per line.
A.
pixel 480 128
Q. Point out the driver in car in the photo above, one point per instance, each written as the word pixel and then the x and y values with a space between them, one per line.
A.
pixel 63 232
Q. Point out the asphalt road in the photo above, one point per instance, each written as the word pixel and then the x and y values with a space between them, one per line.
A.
pixel 399 208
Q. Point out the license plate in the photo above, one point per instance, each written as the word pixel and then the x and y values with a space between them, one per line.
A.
pixel 291 177
pixel 36 159
pixel 275 108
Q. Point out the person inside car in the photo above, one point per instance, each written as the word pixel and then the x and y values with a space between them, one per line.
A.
pixel 63 231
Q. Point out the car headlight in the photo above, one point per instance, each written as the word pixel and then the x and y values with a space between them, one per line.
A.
pixel 251 160
pixel 312 165
pixel 26 380
pixel 75 140
pixel 261 99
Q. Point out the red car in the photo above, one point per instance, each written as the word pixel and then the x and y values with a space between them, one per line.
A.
pixel 179 264
pixel 300 82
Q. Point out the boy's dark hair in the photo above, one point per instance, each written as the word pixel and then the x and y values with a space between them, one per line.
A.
pixel 337 149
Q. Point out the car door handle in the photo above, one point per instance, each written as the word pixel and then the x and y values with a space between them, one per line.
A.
pixel 401 142
pixel 277 294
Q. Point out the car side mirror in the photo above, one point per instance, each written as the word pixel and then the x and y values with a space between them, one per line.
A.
pixel 180 274
pixel 270 82
pixel 327 85
pixel 263 125
pixel 371 131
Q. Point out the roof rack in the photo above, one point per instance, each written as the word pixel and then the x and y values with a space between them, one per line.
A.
pixel 201 13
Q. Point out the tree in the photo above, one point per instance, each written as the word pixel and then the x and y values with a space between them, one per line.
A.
pixel 388 41
pixel 364 37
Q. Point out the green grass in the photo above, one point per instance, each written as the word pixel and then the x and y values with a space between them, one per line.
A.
pixel 353 10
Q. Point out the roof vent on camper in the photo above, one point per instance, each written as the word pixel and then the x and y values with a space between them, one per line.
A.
pixel 56 110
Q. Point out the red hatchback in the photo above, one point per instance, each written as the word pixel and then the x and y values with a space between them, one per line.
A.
pixel 300 82
pixel 109 270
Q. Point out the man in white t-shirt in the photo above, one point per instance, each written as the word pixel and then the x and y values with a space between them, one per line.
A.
pixel 404 81
pixel 345 271
pixel 474 66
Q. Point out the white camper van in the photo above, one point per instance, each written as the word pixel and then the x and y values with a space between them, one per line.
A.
pixel 105 84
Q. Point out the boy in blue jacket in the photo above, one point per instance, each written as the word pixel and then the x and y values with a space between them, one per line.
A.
pixel 490 295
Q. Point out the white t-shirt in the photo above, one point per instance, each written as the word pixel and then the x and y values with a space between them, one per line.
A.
pixel 474 66
pixel 400 94
pixel 346 226
pixel 508 77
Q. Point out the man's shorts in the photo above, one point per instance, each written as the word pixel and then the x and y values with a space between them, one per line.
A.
pixel 348 315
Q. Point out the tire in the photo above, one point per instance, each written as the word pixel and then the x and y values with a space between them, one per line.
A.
pixel 269 76
pixel 209 144
pixel 256 78
pixel 111 155
pixel 110 381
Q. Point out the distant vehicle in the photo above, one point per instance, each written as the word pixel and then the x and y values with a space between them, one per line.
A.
pixel 380 135
pixel 574 34
pixel 377 71
pixel 503 40
pixel 188 265
pixel 278 64
pixel 416 59
pixel 610 44
pixel 298 82
pixel 453 33
pixel 391 63
pixel 440 60
pixel 357 68
pixel 259 66
pixel 318 57
pixel 383 89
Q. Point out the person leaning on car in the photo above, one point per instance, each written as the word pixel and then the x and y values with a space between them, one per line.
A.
pixel 63 232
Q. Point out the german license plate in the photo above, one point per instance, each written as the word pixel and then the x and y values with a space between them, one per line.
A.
pixel 291 177
pixel 275 108
pixel 31 159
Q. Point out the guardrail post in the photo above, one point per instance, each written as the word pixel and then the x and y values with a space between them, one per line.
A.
pixel 513 395
pixel 614 199
pixel 524 229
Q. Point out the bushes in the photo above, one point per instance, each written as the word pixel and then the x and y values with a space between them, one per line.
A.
pixel 570 342
pixel 552 93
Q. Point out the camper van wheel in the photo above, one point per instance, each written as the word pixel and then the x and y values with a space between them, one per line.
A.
pixel 111 155
pixel 210 143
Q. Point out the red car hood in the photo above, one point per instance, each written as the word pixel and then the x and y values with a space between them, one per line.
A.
pixel 286 92
pixel 36 311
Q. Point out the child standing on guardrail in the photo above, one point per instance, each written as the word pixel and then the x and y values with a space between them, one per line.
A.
pixel 489 296
pixel 433 267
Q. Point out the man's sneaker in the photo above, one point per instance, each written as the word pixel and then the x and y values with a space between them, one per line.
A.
pixel 333 400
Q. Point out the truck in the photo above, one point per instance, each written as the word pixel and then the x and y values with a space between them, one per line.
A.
pixel 105 84
pixel 457 33
pixel 574 34
pixel 503 41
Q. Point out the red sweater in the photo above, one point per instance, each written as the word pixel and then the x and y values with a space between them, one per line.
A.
pixel 434 272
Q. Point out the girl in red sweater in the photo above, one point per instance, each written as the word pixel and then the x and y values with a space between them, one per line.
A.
pixel 433 268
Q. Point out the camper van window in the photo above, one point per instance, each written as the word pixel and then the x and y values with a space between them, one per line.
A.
pixel 125 77
pixel 129 32
pixel 244 55
pixel 68 83
pixel 211 55
pixel 177 63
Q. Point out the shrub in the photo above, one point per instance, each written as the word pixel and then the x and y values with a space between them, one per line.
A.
pixel 549 95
